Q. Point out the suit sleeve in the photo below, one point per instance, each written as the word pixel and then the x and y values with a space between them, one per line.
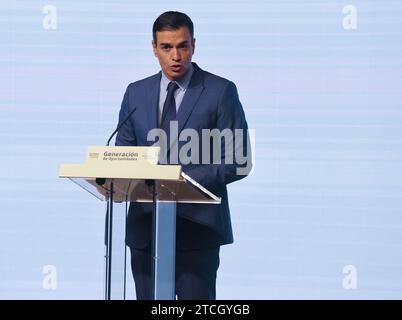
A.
pixel 126 134
pixel 230 115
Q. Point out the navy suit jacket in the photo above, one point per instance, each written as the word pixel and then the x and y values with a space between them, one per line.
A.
pixel 209 102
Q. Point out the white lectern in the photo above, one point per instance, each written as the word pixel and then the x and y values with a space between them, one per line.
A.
pixel 129 174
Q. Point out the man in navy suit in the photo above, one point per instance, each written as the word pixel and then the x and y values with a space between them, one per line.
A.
pixel 197 100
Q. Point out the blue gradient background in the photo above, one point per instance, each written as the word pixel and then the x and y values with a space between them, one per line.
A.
pixel 326 104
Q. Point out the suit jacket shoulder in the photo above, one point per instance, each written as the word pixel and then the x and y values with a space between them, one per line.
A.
pixel 213 79
pixel 146 82
pixel 208 79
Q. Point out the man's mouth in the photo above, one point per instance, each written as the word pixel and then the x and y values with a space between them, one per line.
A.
pixel 176 67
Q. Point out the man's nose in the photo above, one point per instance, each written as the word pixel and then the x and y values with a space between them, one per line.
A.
pixel 176 55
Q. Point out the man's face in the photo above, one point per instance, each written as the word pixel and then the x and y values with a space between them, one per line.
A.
pixel 174 50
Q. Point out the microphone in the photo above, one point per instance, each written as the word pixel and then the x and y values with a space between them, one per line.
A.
pixel 120 125
pixel 102 181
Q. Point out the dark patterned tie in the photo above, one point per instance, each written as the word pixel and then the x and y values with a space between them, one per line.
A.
pixel 168 114
pixel 169 109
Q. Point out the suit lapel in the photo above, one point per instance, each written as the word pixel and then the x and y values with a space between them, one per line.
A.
pixel 187 105
pixel 153 102
pixel 190 98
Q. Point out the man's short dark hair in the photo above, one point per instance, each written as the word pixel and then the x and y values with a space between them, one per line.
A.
pixel 172 20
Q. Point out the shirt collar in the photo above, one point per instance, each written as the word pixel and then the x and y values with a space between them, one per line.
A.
pixel 183 82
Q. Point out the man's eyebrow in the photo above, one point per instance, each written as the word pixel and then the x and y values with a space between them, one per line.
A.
pixel 170 45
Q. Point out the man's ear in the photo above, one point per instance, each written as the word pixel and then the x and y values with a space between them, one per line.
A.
pixel 193 45
pixel 154 48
